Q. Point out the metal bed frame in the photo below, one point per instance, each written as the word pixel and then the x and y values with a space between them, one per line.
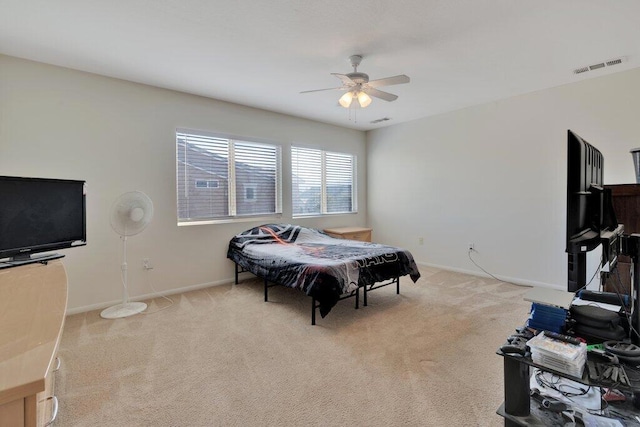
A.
pixel 314 303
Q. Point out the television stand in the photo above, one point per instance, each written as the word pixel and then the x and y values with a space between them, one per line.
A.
pixel 520 409
pixel 29 259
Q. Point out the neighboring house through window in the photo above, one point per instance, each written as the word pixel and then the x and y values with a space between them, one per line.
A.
pixel 204 183
pixel 250 192
pixel 323 182
pixel 223 168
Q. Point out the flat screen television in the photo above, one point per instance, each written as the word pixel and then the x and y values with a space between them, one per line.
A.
pixel 39 215
pixel 591 219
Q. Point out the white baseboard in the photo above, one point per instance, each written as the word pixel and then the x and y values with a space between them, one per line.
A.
pixel 174 291
pixel 99 306
pixel 514 280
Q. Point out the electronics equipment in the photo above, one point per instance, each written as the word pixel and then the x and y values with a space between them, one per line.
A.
pixel 590 215
pixel 591 221
pixel 605 297
pixel 622 348
pixel 40 215
pixel 515 345
pixel 130 214
pixel 524 332
pixel 561 337
pixel 625 351
pixel 605 367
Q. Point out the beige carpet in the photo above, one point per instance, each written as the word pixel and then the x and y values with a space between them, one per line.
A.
pixel 223 357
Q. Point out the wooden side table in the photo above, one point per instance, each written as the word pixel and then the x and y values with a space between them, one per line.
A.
pixel 350 233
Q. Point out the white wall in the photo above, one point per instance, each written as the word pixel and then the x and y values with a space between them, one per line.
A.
pixel 120 136
pixel 495 175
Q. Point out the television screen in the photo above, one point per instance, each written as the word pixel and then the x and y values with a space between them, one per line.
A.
pixel 585 166
pixel 591 219
pixel 40 215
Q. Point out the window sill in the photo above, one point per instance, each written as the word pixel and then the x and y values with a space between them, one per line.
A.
pixel 322 215
pixel 229 220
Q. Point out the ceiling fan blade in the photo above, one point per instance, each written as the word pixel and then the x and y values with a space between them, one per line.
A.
pixel 346 80
pixel 388 81
pixel 380 94
pixel 320 90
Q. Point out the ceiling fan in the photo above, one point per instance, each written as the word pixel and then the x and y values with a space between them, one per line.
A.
pixel 358 86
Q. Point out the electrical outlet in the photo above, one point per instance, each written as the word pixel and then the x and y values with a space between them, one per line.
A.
pixel 146 264
pixel 472 246
pixel 421 240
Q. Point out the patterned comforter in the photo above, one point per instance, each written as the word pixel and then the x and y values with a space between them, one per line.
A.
pixel 322 266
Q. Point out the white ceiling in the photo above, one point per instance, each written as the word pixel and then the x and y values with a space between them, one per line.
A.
pixel 264 53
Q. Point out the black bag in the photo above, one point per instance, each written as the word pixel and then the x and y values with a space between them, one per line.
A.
pixel 595 317
pixel 599 335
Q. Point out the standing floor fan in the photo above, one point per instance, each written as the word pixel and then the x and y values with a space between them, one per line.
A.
pixel 130 214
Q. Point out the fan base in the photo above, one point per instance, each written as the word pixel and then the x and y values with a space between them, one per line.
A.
pixel 123 310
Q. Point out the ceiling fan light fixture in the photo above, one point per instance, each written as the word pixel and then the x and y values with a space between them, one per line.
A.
pixel 345 100
pixel 358 85
pixel 363 99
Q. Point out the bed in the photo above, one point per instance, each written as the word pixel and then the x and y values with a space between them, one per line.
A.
pixel 326 268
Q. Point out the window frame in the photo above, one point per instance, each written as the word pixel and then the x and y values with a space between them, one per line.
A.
pixel 324 205
pixel 235 194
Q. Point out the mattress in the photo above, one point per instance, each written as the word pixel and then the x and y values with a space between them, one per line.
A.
pixel 321 266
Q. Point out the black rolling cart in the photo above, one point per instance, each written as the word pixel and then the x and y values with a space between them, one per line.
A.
pixel 521 409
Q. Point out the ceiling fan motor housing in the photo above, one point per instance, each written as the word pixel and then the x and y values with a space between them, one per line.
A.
pixel 359 78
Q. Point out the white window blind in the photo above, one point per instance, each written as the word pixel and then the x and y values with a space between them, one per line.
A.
pixel 339 179
pixel 322 182
pixel 235 165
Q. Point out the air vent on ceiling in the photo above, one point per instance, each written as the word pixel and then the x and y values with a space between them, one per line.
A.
pixel 599 65
pixel 384 119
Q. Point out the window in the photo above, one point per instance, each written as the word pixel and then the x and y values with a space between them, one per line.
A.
pixel 250 192
pixel 322 182
pixel 202 183
pixel 221 169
